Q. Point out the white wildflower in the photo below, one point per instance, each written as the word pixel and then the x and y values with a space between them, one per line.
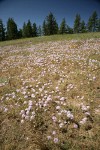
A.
pixel 56 140
pixel 75 126
pixel 61 125
pixel 62 99
pixel 57 107
pixel 22 121
pixel 32 95
pixel 54 118
pixel 54 132
pixel 32 117
pixel 49 137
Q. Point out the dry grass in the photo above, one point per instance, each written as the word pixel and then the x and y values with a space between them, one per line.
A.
pixel 49 95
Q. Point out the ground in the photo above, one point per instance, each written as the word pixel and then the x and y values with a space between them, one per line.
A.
pixel 50 95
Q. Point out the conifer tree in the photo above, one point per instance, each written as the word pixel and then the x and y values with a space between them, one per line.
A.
pixel 89 25
pixel 39 31
pixel 51 25
pixel 98 25
pixel 44 28
pixel 12 32
pixel 29 29
pixel 24 30
pixel 2 31
pixel 69 30
pixel 63 28
pixel 77 23
pixel 82 27
pixel 20 33
pixel 94 21
pixel 34 30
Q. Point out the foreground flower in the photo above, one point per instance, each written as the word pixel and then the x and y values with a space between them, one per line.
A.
pixel 22 121
pixel 48 137
pixel 55 140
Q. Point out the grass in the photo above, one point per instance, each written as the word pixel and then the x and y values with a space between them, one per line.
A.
pixel 49 93
pixel 36 40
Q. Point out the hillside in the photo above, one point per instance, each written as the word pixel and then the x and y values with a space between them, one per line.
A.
pixel 49 93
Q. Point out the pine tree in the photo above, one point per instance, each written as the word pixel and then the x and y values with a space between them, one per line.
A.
pixel 94 21
pixel 44 28
pixel 62 28
pixel 29 29
pixel 20 33
pixel 98 25
pixel 2 31
pixel 82 27
pixel 34 29
pixel 89 25
pixel 51 25
pixel 69 30
pixel 24 30
pixel 39 31
pixel 77 24
pixel 12 32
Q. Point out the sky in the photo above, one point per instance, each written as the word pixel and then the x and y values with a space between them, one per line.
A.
pixel 37 10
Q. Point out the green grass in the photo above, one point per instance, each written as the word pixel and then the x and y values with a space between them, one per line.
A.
pixel 35 40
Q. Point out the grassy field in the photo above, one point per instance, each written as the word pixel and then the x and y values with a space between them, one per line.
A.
pixel 50 93
pixel 36 40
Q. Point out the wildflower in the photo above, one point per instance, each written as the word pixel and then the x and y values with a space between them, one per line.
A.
pixel 23 115
pixel 32 95
pixel 18 90
pixel 26 117
pixel 33 112
pixel 56 140
pixel 87 113
pixel 85 108
pixel 24 92
pixel 69 115
pixel 40 89
pixel 49 98
pixel 6 109
pixel 83 121
pixel 54 118
pixel 30 103
pixel 22 112
pixel 94 78
pixel 58 107
pixel 54 132
pixel 59 113
pixel 62 99
pixel 48 137
pixel 27 138
pixel 75 126
pixel 57 88
pixel 61 125
pixel 27 112
pixel 22 121
pixel 32 117
pixel 25 102
pixel 30 107
pixel 45 104
pixel 25 96
pixel 33 90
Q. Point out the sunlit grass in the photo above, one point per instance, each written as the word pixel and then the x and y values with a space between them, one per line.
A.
pixel 35 40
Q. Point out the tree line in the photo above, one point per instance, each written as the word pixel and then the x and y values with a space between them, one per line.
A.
pixel 49 27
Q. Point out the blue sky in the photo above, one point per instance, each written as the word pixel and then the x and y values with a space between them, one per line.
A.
pixel 37 10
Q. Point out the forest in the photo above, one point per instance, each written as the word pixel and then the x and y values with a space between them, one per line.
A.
pixel 49 27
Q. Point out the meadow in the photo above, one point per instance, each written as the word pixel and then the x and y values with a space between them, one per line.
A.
pixel 50 93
